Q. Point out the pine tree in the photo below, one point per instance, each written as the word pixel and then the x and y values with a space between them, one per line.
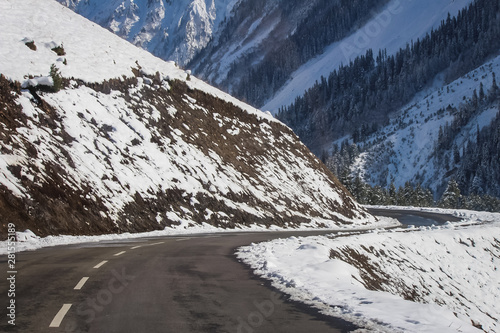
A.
pixel 428 199
pixel 493 92
pixel 408 195
pixel 392 198
pixel 56 78
pixel 482 95
pixel 475 99
pixel 456 155
pixel 359 190
pixel 451 197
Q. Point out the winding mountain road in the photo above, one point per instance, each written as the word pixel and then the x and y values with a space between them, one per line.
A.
pixel 167 284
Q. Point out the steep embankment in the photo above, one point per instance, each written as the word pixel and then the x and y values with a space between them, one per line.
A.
pixel 132 143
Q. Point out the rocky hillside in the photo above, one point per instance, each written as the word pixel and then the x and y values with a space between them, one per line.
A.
pixel 99 136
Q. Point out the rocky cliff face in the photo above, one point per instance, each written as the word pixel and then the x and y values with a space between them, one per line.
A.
pixel 116 140
pixel 173 30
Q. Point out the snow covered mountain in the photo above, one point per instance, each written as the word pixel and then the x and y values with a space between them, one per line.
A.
pixel 253 30
pixel 424 113
pixel 276 34
pixel 397 23
pixel 419 145
pixel 173 30
pixel 100 136
pixel 247 45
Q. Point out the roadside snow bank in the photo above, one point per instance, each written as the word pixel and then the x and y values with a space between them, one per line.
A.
pixel 451 271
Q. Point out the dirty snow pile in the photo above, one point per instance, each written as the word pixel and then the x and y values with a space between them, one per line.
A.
pixel 450 272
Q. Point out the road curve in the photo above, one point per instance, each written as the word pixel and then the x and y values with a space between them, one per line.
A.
pixel 164 284
pixel 415 217
pixel 169 284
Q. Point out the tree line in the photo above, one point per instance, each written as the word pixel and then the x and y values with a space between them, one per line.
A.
pixel 418 196
pixel 474 167
pixel 331 21
pixel 478 170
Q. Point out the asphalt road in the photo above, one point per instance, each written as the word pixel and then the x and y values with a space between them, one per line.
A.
pixel 169 284
pixel 417 218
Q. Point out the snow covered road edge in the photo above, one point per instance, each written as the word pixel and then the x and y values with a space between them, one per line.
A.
pixel 28 241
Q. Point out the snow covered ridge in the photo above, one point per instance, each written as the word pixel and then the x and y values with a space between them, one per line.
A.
pixel 132 143
pixel 430 279
pixel 94 55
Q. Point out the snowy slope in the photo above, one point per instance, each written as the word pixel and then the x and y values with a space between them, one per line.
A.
pixel 132 143
pixel 396 25
pixel 406 151
pixel 450 272
pixel 94 56
pixel 173 30
pixel 250 33
pixel 247 37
